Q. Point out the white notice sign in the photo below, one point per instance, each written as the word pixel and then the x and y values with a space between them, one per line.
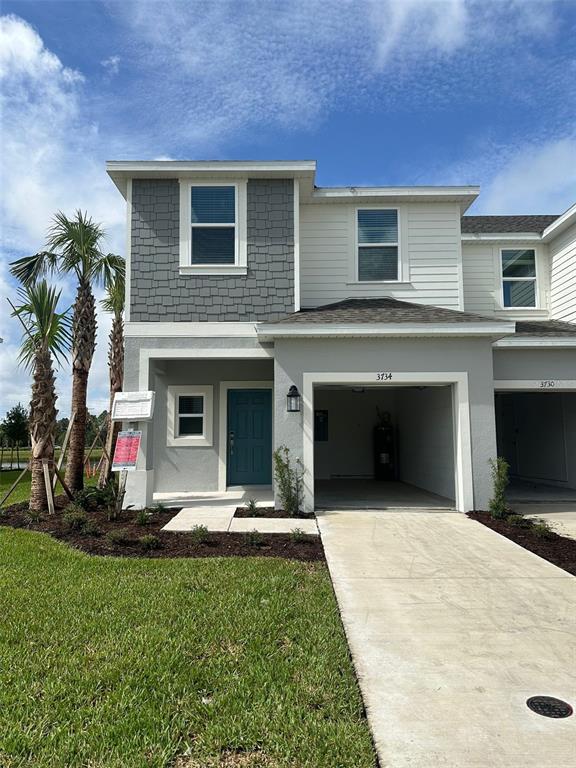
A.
pixel 133 406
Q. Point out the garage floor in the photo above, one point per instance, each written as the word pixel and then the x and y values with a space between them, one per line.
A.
pixel 374 494
pixel 526 491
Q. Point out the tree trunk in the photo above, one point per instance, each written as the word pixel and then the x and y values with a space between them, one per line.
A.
pixel 83 344
pixel 116 363
pixel 42 426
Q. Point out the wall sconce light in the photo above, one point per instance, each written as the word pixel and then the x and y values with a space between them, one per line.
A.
pixel 293 400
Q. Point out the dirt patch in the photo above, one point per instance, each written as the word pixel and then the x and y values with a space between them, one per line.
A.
pixel 549 545
pixel 124 537
pixel 270 512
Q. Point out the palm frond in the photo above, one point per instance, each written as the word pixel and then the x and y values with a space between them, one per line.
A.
pixel 29 269
pixel 114 274
pixel 45 327
pixel 77 242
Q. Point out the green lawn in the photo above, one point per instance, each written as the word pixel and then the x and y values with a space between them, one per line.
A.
pixel 131 663
pixel 22 490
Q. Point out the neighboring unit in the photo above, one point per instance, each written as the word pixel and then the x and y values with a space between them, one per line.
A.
pixel 422 342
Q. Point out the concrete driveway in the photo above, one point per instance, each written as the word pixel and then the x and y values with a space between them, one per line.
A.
pixel 452 628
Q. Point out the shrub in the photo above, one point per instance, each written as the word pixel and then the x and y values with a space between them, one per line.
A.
pixel 289 481
pixel 74 517
pixel 297 536
pixel 199 534
pixel 255 538
pixel 252 507
pixel 542 529
pixel 118 536
pixel 519 520
pixel 497 505
pixel 96 498
pixel 158 507
pixel 143 517
pixel 91 529
pixel 31 516
pixel 149 542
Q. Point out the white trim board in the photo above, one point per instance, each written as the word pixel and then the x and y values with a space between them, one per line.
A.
pixel 540 385
pixel 167 330
pixel 536 342
pixel 223 422
pixel 270 331
pixel 296 245
pixel 146 355
pixel 461 417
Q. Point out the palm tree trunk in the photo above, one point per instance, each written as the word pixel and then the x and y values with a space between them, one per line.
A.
pixel 116 363
pixel 83 344
pixel 42 426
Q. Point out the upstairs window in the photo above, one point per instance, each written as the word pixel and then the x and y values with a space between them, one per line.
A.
pixel 213 222
pixel 519 278
pixel 377 237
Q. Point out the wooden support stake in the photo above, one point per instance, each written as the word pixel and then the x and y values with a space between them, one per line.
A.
pixel 14 484
pixel 48 485
pixel 60 476
pixel 121 492
pixel 64 446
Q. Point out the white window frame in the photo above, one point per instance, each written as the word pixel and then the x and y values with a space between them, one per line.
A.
pixel 358 245
pixel 503 279
pixel 240 245
pixel 173 439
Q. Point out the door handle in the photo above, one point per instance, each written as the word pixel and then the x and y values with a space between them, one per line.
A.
pixel 231 441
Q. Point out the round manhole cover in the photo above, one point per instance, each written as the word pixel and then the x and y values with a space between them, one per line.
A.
pixel 548 706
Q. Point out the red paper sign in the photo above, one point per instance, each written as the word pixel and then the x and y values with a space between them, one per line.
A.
pixel 126 451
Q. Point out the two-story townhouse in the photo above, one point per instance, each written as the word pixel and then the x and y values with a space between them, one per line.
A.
pixel 389 340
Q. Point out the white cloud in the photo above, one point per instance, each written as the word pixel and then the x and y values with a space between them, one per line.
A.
pixel 52 159
pixel 111 64
pixel 536 179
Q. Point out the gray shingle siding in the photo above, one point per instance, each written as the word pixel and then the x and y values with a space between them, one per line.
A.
pixel 160 293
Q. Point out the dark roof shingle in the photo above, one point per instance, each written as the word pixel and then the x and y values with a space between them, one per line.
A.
pixel 498 224
pixel 545 328
pixel 380 310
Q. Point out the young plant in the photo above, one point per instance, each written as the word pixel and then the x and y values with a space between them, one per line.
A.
pixel 74 518
pixel 497 504
pixel 255 538
pixel 143 517
pixel 252 507
pixel 289 481
pixel 199 534
pixel 149 542
pixel 297 536
pixel 541 528
pixel 118 536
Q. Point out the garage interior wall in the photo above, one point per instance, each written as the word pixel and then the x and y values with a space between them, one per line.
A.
pixel 423 418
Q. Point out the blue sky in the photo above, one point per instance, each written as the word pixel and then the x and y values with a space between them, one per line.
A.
pixel 377 91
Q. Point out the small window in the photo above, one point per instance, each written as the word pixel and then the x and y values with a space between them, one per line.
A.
pixel 213 223
pixel 377 244
pixel 519 278
pixel 189 416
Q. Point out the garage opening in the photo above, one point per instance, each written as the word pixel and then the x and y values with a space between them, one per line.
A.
pixel 384 447
pixel 536 434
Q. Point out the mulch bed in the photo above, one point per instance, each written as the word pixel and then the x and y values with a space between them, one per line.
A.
pixel 557 549
pixel 270 512
pixel 170 544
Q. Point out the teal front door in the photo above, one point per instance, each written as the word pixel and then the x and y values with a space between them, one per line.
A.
pixel 249 437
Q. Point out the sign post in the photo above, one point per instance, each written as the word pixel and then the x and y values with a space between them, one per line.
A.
pixel 125 459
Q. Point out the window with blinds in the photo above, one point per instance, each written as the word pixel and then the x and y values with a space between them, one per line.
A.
pixel 213 225
pixel 377 237
pixel 518 277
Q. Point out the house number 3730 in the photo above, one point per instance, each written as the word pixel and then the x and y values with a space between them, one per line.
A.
pixel 383 376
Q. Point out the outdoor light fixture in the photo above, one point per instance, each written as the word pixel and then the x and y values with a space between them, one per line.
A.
pixel 293 400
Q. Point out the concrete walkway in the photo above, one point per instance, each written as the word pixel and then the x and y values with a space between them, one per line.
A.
pixel 215 511
pixel 452 627
pixel 561 517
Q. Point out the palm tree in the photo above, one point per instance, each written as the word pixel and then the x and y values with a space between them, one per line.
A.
pixel 74 246
pixel 114 303
pixel 46 336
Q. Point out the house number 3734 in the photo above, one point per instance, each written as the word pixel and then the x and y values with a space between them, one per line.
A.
pixel 384 376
